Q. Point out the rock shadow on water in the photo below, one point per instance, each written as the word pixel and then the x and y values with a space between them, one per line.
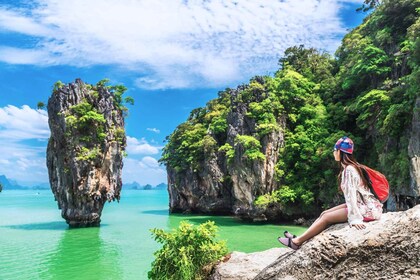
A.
pixel 162 212
pixel 225 221
pixel 82 254
pixel 58 225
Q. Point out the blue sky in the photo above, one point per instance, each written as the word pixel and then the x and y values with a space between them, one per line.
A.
pixel 173 56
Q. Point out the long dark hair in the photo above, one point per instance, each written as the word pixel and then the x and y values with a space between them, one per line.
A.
pixel 348 159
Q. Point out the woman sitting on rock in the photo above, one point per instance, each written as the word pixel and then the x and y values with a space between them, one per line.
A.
pixel 361 205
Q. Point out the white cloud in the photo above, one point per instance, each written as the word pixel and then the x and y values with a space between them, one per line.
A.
pixel 144 171
pixel 23 123
pixel 140 147
pixel 20 161
pixel 172 44
pixel 12 21
pixel 24 56
pixel 154 130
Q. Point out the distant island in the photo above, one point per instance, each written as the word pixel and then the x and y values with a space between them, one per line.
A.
pixel 137 186
pixel 10 184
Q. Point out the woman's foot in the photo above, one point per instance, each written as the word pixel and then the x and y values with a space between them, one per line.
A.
pixel 289 235
pixel 288 242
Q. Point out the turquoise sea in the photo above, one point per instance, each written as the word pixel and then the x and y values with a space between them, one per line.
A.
pixel 36 243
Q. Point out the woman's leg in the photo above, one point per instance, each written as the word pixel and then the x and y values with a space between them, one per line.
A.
pixel 327 219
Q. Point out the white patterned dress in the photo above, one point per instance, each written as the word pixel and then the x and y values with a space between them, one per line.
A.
pixel 362 205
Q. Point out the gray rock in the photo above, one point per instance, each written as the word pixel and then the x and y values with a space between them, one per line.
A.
pixel 246 266
pixel 386 249
pixel 414 152
pixel 85 172
pixel 219 187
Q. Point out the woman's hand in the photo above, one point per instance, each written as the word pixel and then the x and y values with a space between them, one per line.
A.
pixel 358 226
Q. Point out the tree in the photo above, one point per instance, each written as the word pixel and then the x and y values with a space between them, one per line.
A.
pixel 40 105
pixel 310 63
pixel 368 5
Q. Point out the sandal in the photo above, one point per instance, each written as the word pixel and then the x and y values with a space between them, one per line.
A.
pixel 288 242
pixel 289 235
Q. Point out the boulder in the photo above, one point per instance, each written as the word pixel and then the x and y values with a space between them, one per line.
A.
pixel 246 266
pixel 387 249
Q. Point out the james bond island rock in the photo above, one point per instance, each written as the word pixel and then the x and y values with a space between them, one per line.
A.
pixel 386 249
pixel 86 148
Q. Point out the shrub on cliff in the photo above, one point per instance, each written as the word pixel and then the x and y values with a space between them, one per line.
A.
pixel 186 251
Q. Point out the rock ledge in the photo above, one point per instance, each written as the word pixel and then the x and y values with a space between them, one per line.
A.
pixel 386 249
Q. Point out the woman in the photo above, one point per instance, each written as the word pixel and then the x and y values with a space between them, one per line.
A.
pixel 361 205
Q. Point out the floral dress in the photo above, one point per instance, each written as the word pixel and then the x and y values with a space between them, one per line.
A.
pixel 362 205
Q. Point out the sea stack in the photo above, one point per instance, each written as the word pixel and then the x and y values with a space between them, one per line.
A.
pixel 233 159
pixel 86 148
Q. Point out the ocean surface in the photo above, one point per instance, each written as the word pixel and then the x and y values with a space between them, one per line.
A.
pixel 36 243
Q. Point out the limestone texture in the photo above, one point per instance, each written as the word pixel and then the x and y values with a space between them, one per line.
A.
pixel 246 266
pixel 387 249
pixel 219 187
pixel 414 152
pixel 85 150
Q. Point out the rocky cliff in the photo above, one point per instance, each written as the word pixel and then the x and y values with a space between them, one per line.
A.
pixel 414 152
pixel 386 249
pixel 276 133
pixel 85 150
pixel 226 181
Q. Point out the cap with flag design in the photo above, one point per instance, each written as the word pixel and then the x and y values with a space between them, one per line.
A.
pixel 344 144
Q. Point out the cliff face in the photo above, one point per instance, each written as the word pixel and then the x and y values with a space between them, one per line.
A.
pixel 368 92
pixel 251 179
pixel 223 184
pixel 414 152
pixel 386 249
pixel 84 154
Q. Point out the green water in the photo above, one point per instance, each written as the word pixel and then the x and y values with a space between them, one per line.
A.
pixel 35 242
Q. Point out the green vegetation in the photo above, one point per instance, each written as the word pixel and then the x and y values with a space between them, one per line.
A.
pixel 57 86
pixel 87 155
pixel 118 92
pixel 204 134
pixel 198 138
pixel 87 126
pixel 40 105
pixel 84 119
pixel 186 252
pixel 229 151
pixel 252 147
pixel 368 5
pixel 367 91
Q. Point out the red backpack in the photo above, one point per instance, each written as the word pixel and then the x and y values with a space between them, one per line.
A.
pixel 377 183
